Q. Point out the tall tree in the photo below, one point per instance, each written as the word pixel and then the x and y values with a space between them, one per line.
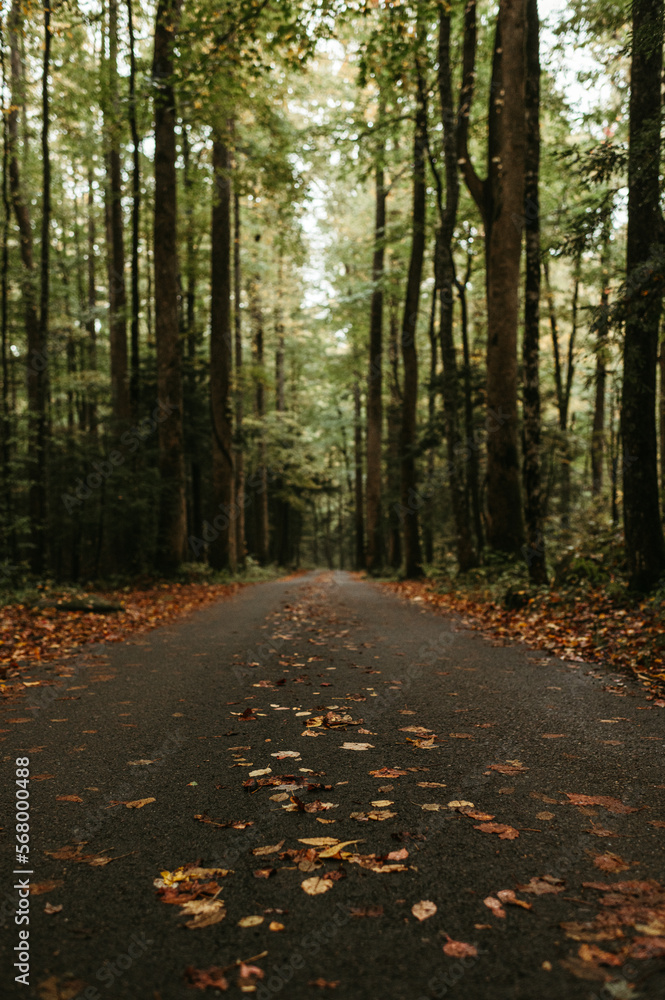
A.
pixel 500 199
pixel 261 518
pixel 223 549
pixel 134 380
pixel 375 541
pixel 120 398
pixel 172 512
pixel 645 547
pixel 238 366
pixel 533 501
pixel 36 347
pixel 408 480
pixel 445 282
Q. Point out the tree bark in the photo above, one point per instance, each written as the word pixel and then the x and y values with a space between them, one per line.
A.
pixel 120 399
pixel 91 405
pixel 500 199
pixel 645 548
pixel 222 548
pixel 36 356
pixel 394 553
pixel 375 542
pixel 410 500
pixel 445 280
pixel 533 500
pixel 135 376
pixel 172 512
pixel 261 476
pixel 239 446
pixel 359 521
pixel 598 432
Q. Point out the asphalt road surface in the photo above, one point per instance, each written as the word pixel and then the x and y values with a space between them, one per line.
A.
pixel 482 745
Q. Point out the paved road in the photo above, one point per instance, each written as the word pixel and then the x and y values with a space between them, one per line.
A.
pixel 215 697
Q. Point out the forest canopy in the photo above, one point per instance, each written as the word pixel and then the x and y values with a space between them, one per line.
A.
pixel 371 285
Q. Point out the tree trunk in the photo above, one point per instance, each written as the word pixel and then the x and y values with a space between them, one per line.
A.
pixel 471 437
pixel 445 280
pixel 598 432
pixel 375 544
pixel 410 500
pixel 261 475
pixel 645 548
pixel 9 533
pixel 120 401
pixel 500 199
pixel 222 548
pixel 91 406
pixel 533 501
pixel 172 511
pixel 36 356
pixel 394 409
pixel 135 377
pixel 432 389
pixel 239 449
pixel 359 525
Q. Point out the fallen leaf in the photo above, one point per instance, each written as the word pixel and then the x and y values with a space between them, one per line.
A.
pixel 203 912
pixel 333 851
pixel 429 784
pixel 202 979
pixel 495 906
pixel 388 772
pixel 545 815
pixel 648 947
pixel 373 814
pixel 612 805
pixel 460 804
pixel 381 803
pixel 321 841
pixel 424 909
pixel 275 925
pixel 505 832
pixel 324 983
pixel 366 911
pixel 316 885
pixel 357 746
pixel 39 888
pixel 138 803
pixel 512 767
pixel 543 885
pixel 68 798
pixel 475 814
pixel 506 896
pixel 461 736
pixel 431 806
pixel 247 976
pixel 264 872
pixel 52 908
pixel 592 953
pixel 283 754
pixel 259 772
pixel 268 849
pixel 251 921
pixel 459 949
pixel 53 989
pixel 609 862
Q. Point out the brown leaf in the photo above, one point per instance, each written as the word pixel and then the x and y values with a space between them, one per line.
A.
pixel 53 989
pixel 202 979
pixel 475 814
pixel 545 815
pixel 508 896
pixel 316 885
pixel 68 798
pixel 592 953
pixel 610 862
pixel 424 909
pixel 612 805
pixel 324 983
pixel 648 947
pixel 585 970
pixel 366 911
pixel 268 849
pixel 459 949
pixel 264 872
pixel 203 912
pixel 495 906
pixel 252 921
pixel 39 888
pixel 588 931
pixel 387 772
pixel 275 925
pixel 52 908
pixel 512 767
pixel 138 803
pixel 543 885
pixel 505 832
